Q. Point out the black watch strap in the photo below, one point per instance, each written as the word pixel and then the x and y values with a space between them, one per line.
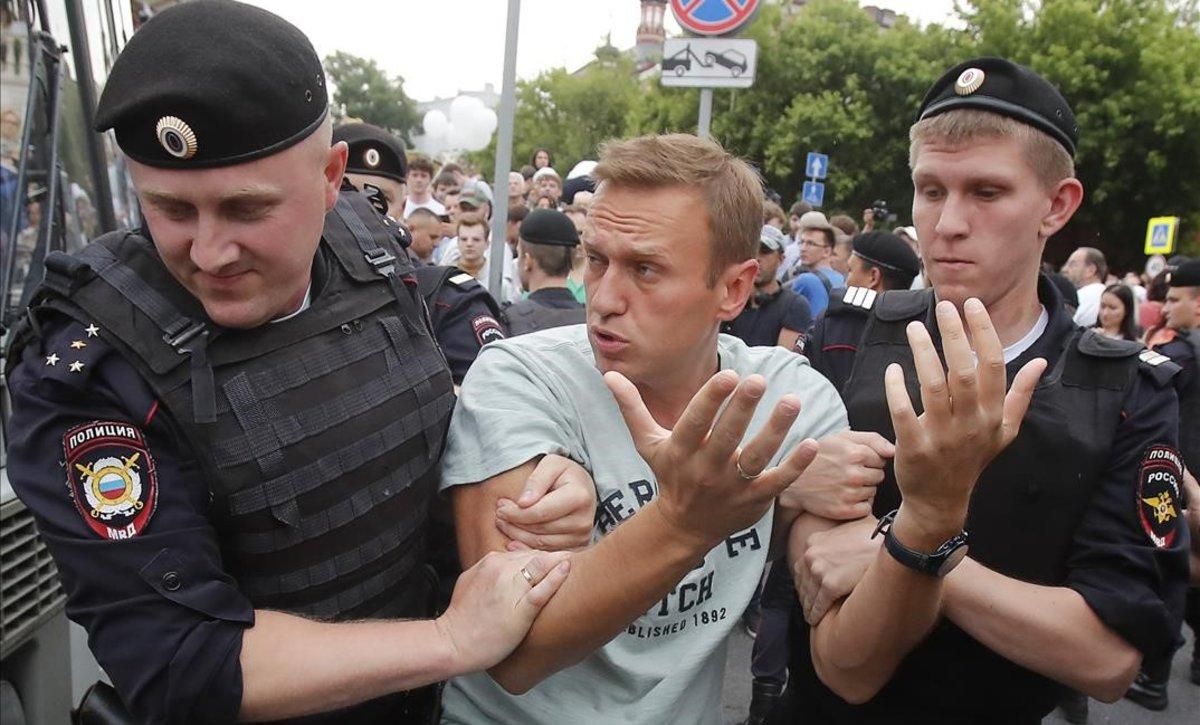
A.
pixel 938 564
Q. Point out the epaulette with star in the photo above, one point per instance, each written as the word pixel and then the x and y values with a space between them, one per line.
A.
pixel 71 353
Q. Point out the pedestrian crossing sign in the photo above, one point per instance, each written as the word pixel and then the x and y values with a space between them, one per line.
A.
pixel 1160 234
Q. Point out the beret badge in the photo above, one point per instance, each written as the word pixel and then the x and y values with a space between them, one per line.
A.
pixel 969 81
pixel 176 137
pixel 371 157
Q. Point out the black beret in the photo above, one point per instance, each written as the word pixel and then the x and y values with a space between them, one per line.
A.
pixel 213 83
pixel 1185 275
pixel 1006 88
pixel 373 151
pixel 549 226
pixel 888 250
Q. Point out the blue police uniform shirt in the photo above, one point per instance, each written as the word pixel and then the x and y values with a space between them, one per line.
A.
pixel 1134 584
pixel 464 318
pixel 165 621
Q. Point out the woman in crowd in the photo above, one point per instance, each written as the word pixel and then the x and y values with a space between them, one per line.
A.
pixel 542 158
pixel 1117 316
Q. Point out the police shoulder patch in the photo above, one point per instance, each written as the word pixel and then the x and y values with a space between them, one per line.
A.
pixel 487 329
pixel 1158 505
pixel 111 477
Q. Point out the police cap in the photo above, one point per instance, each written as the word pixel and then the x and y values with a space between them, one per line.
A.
pixel 549 226
pixel 372 151
pixel 887 250
pixel 213 83
pixel 1185 275
pixel 1006 88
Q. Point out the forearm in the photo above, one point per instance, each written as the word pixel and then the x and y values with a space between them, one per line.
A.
pixel 611 584
pixel 858 645
pixel 293 666
pixel 1050 630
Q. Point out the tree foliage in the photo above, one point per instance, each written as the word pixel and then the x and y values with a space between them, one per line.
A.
pixel 362 91
pixel 829 79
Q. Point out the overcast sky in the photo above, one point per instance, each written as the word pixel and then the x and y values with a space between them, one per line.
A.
pixel 445 46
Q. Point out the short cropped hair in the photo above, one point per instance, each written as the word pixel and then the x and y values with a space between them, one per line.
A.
pixel 472 219
pixel 421 214
pixel 420 162
pixel 731 190
pixel 517 212
pixel 1050 160
pixel 554 260
pixel 845 223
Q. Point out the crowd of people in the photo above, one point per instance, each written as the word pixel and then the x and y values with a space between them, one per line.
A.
pixel 315 472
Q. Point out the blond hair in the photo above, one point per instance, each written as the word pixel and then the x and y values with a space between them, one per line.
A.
pixel 1050 161
pixel 731 190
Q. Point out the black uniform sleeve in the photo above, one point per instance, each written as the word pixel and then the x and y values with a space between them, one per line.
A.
pixel 1129 558
pixel 465 318
pixel 163 619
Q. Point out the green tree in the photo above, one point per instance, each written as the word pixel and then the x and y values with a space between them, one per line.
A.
pixel 1130 70
pixel 573 113
pixel 361 90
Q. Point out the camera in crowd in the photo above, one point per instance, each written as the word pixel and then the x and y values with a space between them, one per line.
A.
pixel 880 213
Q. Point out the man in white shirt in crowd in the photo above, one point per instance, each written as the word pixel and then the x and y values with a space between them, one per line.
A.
pixel 1087 268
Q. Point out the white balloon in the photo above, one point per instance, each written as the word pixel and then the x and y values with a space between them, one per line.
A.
pixel 435 124
pixel 490 120
pixel 463 107
pixel 458 136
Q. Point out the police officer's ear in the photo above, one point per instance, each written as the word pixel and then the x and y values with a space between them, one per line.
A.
pixel 874 278
pixel 1065 198
pixel 334 170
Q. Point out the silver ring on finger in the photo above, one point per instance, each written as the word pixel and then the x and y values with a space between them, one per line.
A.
pixel 528 577
pixel 742 472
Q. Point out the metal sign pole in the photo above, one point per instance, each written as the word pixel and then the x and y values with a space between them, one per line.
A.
pixel 705 112
pixel 504 140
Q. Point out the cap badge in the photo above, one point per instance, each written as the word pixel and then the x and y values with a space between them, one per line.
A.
pixel 968 81
pixel 371 157
pixel 176 137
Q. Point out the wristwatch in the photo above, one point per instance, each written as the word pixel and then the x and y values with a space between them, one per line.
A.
pixel 940 563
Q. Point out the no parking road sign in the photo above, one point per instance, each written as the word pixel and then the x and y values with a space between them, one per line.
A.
pixel 713 17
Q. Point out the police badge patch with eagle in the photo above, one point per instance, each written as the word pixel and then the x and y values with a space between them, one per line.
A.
pixel 1158 502
pixel 111 476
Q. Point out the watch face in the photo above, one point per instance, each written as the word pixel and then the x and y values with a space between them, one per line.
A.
pixel 952 560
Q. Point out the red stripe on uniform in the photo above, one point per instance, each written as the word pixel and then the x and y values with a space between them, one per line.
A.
pixel 150 415
pixel 848 348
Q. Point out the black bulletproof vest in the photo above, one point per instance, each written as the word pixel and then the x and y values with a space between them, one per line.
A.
pixel 1025 507
pixel 528 316
pixel 319 435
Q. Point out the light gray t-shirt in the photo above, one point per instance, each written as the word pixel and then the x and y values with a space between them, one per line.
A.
pixel 541 393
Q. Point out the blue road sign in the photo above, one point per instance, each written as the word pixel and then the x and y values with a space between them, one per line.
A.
pixel 816 165
pixel 814 193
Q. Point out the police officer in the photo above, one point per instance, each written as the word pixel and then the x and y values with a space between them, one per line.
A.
pixel 545 250
pixel 1077 558
pixel 880 261
pixel 228 423
pixel 465 317
pixel 1181 311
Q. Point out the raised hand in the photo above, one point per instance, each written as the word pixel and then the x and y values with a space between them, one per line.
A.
pixel 556 510
pixel 495 602
pixel 968 417
pixel 708 486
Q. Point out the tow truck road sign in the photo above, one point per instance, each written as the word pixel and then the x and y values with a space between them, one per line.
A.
pixel 709 62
